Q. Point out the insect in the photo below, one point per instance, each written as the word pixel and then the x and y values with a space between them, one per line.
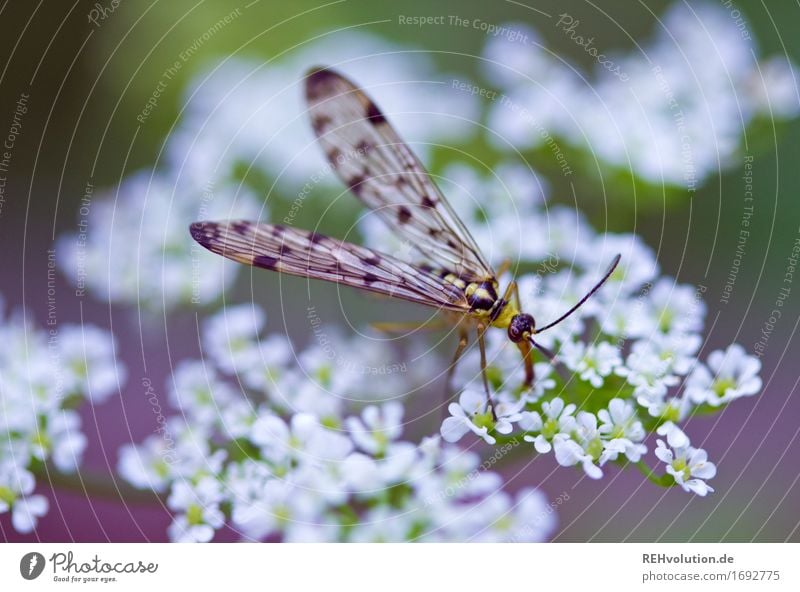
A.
pixel 383 172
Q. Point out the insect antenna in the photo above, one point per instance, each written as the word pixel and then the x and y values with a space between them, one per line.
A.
pixel 589 294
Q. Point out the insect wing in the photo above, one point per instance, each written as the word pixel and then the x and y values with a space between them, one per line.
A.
pixel 382 171
pixel 312 255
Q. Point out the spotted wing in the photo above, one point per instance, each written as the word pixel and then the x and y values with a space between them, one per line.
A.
pixel 384 173
pixel 308 254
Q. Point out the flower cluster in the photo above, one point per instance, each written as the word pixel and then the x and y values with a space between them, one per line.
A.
pixel 275 462
pixel 671 112
pixel 626 361
pixel 44 375
pixel 132 247
pixel 257 110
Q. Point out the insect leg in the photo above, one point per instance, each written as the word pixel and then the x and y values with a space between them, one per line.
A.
pixel 512 288
pixel 516 295
pixel 463 338
pixel 399 327
pixel 482 346
pixel 504 267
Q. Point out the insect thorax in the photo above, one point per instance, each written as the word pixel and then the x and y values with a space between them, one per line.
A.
pixel 483 299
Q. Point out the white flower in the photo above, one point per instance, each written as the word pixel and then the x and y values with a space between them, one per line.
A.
pixel 676 437
pixel 458 478
pixel 275 357
pixel 731 374
pixel 689 466
pixel 473 413
pixel 620 421
pixel 622 430
pixel 558 420
pixel 16 489
pixel 138 252
pixel 526 519
pixel 148 465
pixel 583 445
pixel 593 362
pixel 304 440
pixel 675 308
pixel 731 87
pixel 383 525
pixel 534 519
pixel 678 349
pixel 377 427
pixel 672 408
pixel 773 88
pixel 224 126
pixel 231 337
pixel 87 357
pixel 272 508
pixel 569 453
pixel 197 391
pixel 648 373
pixel 202 515
pixel 27 511
pixel 67 442
pixel 625 318
pixel 636 268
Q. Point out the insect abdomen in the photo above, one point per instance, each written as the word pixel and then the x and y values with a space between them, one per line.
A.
pixel 481 295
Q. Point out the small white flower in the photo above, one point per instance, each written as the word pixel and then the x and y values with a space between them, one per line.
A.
pixel 274 507
pixel 674 409
pixel 558 420
pixel 148 465
pixel 731 374
pixel 528 518
pixel 197 390
pixel 569 453
pixel 620 421
pixel 648 373
pixel 534 519
pixel 678 348
pixel 689 466
pixel 637 265
pixel 305 440
pixel 202 515
pixel 623 432
pixel 87 358
pixel 472 413
pixel 377 427
pixel 67 442
pixel 583 445
pixel 676 437
pixel 27 511
pixel 593 362
pixel 231 337
pixel 458 478
pixel 676 308
pixel 383 525
pixel 626 318
pixel 276 357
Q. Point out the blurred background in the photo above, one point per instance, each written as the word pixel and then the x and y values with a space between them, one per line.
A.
pixel 123 96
